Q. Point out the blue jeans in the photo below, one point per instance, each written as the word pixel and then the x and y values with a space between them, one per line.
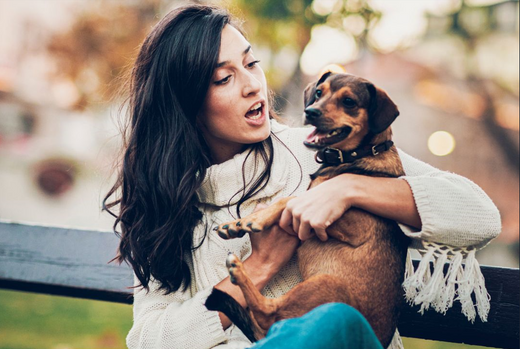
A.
pixel 329 326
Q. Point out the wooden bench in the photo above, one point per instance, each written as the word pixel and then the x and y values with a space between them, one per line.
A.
pixel 71 262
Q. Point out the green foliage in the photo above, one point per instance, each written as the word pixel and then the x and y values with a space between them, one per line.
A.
pixel 415 343
pixel 41 321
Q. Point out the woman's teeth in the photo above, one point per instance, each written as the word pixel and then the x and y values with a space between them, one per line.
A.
pixel 256 106
pixel 255 112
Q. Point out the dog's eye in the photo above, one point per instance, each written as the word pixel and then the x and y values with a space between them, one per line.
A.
pixel 317 95
pixel 348 102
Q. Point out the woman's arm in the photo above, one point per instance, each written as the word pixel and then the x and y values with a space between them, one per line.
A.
pixel 320 206
pixel 430 204
pixel 177 320
pixel 454 211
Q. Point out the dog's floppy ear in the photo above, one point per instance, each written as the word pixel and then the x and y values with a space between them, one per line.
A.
pixel 309 95
pixel 381 111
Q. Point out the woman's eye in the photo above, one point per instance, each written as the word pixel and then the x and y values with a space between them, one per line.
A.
pixel 317 95
pixel 252 64
pixel 349 102
pixel 223 81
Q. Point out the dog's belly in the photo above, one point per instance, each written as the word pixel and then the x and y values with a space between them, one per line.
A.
pixel 372 273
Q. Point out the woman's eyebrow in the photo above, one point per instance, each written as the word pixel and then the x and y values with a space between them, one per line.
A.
pixel 246 51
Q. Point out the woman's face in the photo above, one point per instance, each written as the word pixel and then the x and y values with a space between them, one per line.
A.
pixel 236 110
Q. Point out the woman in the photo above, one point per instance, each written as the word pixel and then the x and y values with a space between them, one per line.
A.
pixel 202 148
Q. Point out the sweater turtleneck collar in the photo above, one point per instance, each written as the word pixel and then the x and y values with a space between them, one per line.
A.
pixel 223 182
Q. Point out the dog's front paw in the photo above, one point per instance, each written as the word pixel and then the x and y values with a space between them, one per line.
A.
pixel 230 230
pixel 235 269
pixel 238 228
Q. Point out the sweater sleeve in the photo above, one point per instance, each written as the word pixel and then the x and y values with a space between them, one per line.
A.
pixel 454 210
pixel 458 218
pixel 177 320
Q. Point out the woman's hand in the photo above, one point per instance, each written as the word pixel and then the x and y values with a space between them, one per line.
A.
pixel 316 209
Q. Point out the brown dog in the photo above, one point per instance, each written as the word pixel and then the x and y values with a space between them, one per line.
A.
pixel 363 264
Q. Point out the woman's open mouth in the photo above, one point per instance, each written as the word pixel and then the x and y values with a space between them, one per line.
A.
pixel 322 138
pixel 255 112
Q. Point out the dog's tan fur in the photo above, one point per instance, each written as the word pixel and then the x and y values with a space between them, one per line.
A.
pixel 363 262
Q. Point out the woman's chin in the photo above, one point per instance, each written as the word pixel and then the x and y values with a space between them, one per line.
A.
pixel 264 133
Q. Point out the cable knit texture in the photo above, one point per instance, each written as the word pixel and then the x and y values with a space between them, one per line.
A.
pixel 456 215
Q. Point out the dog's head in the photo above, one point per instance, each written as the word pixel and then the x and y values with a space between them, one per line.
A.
pixel 344 109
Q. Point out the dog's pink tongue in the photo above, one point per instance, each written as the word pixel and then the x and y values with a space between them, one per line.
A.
pixel 315 136
pixel 311 138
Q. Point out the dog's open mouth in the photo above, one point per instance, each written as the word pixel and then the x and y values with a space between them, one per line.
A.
pixel 322 138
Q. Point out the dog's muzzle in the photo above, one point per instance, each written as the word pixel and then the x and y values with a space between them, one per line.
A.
pixel 312 114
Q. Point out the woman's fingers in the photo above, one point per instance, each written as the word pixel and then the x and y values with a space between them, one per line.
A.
pixel 286 222
pixel 312 227
pixel 305 232
pixel 293 223
pixel 296 224
pixel 321 233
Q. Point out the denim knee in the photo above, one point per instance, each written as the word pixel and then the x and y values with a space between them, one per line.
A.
pixel 347 325
pixel 332 326
pixel 343 314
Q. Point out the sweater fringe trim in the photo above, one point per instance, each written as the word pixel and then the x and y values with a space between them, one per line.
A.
pixel 449 280
pixel 396 342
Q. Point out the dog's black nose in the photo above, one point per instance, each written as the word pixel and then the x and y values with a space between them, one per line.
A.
pixel 312 113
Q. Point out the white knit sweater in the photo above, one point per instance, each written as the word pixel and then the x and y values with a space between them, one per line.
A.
pixel 454 211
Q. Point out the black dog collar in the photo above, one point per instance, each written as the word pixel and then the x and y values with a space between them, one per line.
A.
pixel 332 156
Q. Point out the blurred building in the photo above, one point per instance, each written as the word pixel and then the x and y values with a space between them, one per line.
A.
pixel 55 164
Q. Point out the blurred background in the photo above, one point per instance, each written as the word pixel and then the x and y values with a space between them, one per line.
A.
pixel 452 67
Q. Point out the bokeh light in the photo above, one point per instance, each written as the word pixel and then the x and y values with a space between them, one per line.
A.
pixel 441 143
pixel 328 45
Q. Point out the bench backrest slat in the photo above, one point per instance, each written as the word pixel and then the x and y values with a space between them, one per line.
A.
pixel 75 263
pixel 500 331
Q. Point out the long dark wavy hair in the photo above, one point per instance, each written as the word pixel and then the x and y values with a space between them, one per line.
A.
pixel 164 154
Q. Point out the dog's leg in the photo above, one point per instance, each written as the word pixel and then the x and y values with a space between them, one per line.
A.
pixel 313 292
pixel 309 294
pixel 255 222
pixel 263 309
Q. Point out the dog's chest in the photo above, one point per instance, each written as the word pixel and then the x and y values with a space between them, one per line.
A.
pixel 316 257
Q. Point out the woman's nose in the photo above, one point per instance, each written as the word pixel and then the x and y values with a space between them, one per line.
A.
pixel 252 85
